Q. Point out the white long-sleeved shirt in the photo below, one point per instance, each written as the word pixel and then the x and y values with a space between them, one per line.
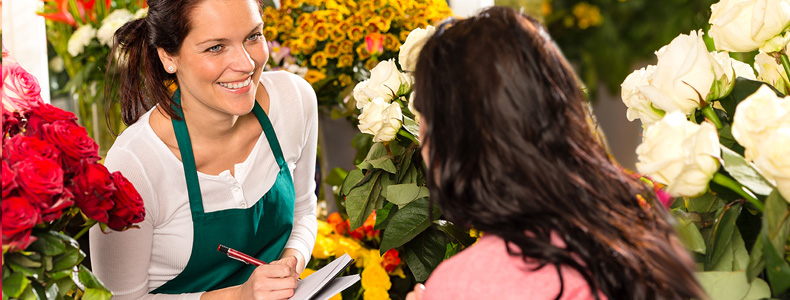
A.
pixel 134 262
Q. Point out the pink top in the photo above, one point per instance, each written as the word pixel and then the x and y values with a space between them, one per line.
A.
pixel 487 271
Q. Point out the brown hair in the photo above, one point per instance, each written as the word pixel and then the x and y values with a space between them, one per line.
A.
pixel 511 152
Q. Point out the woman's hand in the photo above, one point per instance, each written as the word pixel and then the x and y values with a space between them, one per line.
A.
pixel 276 280
pixel 416 294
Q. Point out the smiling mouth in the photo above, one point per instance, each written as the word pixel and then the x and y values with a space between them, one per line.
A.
pixel 237 85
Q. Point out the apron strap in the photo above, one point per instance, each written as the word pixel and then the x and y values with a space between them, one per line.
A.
pixel 187 158
pixel 268 129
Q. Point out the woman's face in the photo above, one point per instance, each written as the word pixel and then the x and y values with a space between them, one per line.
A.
pixel 222 57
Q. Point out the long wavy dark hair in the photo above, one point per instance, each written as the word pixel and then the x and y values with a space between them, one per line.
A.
pixel 511 152
pixel 134 62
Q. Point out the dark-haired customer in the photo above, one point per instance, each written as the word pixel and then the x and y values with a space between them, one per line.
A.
pixel 226 158
pixel 509 152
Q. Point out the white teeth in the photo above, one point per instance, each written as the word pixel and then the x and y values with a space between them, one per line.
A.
pixel 239 85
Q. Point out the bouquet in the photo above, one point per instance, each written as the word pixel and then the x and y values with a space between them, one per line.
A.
pixel 718 136
pixel 53 186
pixel 339 40
pixel 80 33
pixel 387 191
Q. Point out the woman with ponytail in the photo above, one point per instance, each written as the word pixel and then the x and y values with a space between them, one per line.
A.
pixel 221 152
pixel 509 152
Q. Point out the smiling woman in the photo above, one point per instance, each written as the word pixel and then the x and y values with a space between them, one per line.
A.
pixel 221 152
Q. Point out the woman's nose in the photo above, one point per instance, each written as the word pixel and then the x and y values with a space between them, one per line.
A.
pixel 241 61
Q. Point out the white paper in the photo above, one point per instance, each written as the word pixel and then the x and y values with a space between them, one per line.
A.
pixel 324 281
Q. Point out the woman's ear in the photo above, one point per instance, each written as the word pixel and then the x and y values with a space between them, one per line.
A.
pixel 168 61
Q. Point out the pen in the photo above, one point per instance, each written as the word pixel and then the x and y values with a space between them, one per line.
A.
pixel 234 254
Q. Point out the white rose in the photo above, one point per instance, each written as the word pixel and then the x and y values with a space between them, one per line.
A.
pixel 638 106
pixel 757 117
pixel 745 25
pixel 385 82
pixel 680 154
pixel 726 70
pixel 110 25
pixel 683 76
pixel 776 44
pixel 774 163
pixel 381 119
pixel 413 110
pixel 80 38
pixel 770 71
pixel 410 50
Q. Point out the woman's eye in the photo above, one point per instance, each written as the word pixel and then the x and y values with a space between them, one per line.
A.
pixel 215 48
pixel 255 37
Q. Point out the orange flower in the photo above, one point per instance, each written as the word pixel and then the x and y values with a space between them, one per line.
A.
pixel 366 230
pixel 391 260
pixel 337 223
pixel 374 43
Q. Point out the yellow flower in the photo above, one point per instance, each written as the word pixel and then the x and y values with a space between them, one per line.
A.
pixel 337 34
pixel 305 27
pixel 324 228
pixel 345 60
pixel 388 13
pixel 545 8
pixel 347 47
pixel 270 33
pixel 371 63
pixel 332 50
pixel 318 59
pixel 270 15
pixel 336 297
pixel 377 24
pixel 344 26
pixel 399 272
pixel 333 5
pixel 344 79
pixel 376 294
pixel 324 246
pixel 314 76
pixel 362 52
pixel 588 15
pixel 346 245
pixel 403 35
pixel 356 33
pixel 391 42
pixel 307 43
pixel 305 273
pixel 322 31
pixel 374 276
pixel 367 6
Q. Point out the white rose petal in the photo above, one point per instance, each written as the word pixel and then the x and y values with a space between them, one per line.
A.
pixel 381 119
pixel 80 39
pixel 770 71
pixel 110 25
pixel 410 50
pixel 683 76
pixel 385 82
pixel 774 163
pixel 680 154
pixel 757 117
pixel 745 25
pixel 638 105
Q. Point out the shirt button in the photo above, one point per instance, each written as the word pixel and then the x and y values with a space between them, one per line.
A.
pixel 243 205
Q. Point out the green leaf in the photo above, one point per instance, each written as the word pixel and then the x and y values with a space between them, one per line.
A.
pixel 402 194
pixel 351 181
pixel 411 126
pixel 384 163
pixel 455 232
pixel 405 164
pixel 396 149
pixel 412 175
pixel 744 172
pixel 14 285
pixel 735 257
pixel 777 268
pixel 756 261
pixel 407 223
pixel 67 260
pixel 727 140
pixel 88 280
pixel 704 204
pixel 378 150
pixel 776 226
pixel 722 232
pixel 96 294
pixel 424 253
pixel 690 236
pixel 336 176
pixel 361 200
pixel 729 285
pixel 48 244
pixel 24 261
pixel 65 285
pixel 384 215
pixel 758 290
pixel 362 142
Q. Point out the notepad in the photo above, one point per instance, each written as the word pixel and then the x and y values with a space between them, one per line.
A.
pixel 324 283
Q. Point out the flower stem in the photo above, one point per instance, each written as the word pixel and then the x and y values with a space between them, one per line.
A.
pixel 408 135
pixel 738 188
pixel 710 114
pixel 785 64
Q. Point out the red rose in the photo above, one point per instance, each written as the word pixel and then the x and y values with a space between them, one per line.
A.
pixel 45 114
pixel 390 260
pixel 128 207
pixel 39 179
pixel 19 217
pixel 366 230
pixel 20 87
pixel 337 223
pixel 73 141
pixel 93 190
pixel 19 147
pixel 53 209
pixel 10 122
pixel 9 182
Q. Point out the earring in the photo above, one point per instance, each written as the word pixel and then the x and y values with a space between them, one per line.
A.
pixel 171 69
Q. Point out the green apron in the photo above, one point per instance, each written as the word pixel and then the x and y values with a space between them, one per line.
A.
pixel 261 230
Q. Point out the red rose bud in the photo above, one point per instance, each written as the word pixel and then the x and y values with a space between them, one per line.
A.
pixel 128 207
pixel 337 223
pixel 19 217
pixel 39 179
pixel 374 43
pixel 19 147
pixel 9 182
pixel 74 141
pixel 93 189
pixel 390 260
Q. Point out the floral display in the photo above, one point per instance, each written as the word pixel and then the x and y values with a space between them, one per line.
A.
pixel 80 33
pixel 339 40
pixel 54 190
pixel 717 134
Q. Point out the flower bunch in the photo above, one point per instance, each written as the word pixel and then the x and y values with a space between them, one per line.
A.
pixel 362 244
pixel 52 182
pixel 340 39
pixel 81 34
pixel 717 135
